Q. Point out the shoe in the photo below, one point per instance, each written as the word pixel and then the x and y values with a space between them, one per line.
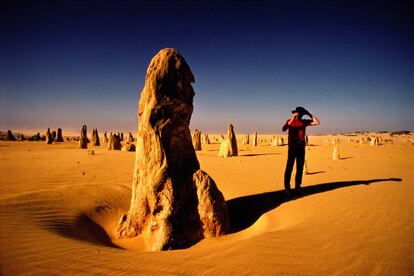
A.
pixel 300 191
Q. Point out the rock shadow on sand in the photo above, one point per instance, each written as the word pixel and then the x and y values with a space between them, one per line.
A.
pixel 245 211
pixel 83 228
pixel 259 154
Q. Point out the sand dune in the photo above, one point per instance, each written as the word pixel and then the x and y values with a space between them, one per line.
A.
pixel 60 205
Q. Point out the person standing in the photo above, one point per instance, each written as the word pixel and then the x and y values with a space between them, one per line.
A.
pixel 297 143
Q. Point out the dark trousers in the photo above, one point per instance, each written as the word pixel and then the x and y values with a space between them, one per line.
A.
pixel 297 154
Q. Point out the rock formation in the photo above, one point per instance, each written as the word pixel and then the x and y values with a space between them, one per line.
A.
pixel 205 139
pixel 224 150
pixel 36 137
pixel 95 137
pixel 228 146
pixel 114 142
pixel 59 137
pixel 280 141
pixel 129 143
pixel 121 136
pixel 305 168
pixel 174 204
pixel 231 137
pixel 335 153
pixel 20 137
pixel 245 140
pixel 83 139
pixel 273 141
pixel 49 137
pixel 54 135
pixel 254 144
pixel 130 138
pixel 10 136
pixel 128 147
pixel 197 140
pixel 105 137
pixel 374 141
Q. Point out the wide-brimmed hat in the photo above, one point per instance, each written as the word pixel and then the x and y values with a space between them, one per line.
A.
pixel 300 110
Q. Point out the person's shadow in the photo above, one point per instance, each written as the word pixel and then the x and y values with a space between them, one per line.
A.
pixel 245 211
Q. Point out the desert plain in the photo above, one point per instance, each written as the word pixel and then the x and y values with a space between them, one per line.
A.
pixel 59 207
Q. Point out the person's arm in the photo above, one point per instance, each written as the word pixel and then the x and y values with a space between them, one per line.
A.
pixel 315 121
pixel 288 123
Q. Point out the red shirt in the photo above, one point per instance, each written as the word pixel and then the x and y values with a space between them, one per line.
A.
pixel 297 133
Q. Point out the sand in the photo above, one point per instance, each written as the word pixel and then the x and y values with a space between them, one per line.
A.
pixel 59 206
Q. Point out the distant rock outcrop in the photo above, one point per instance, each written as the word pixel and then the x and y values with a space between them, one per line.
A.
pixel 83 139
pixel 105 137
pixel 228 146
pixel 335 153
pixel 374 141
pixel 49 137
pixel 280 141
pixel 130 138
pixel 114 142
pixel 197 140
pixel 205 139
pixel 305 167
pixel 95 137
pixel 59 137
pixel 129 143
pixel 174 203
pixel 10 136
pixel 128 147
pixel 245 140
pixel 254 142
pixel 36 137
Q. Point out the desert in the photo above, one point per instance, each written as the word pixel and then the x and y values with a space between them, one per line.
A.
pixel 206 138
pixel 60 206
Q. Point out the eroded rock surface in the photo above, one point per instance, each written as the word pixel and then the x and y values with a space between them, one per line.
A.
pixel 59 137
pixel 228 146
pixel 197 140
pixel 174 204
pixel 83 139
pixel 114 142
pixel 49 137
pixel 95 137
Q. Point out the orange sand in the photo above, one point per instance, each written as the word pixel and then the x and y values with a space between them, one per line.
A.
pixel 59 206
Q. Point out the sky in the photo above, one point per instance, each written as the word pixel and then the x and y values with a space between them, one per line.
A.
pixel 69 63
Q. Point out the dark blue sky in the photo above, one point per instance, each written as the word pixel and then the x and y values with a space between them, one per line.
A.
pixel 73 62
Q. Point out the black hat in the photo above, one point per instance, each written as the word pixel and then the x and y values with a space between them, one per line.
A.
pixel 300 110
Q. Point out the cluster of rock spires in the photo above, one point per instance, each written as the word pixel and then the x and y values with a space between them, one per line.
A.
pixel 114 142
pixel 277 141
pixel 174 204
pixel 54 136
pixel 374 141
pixel 10 136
